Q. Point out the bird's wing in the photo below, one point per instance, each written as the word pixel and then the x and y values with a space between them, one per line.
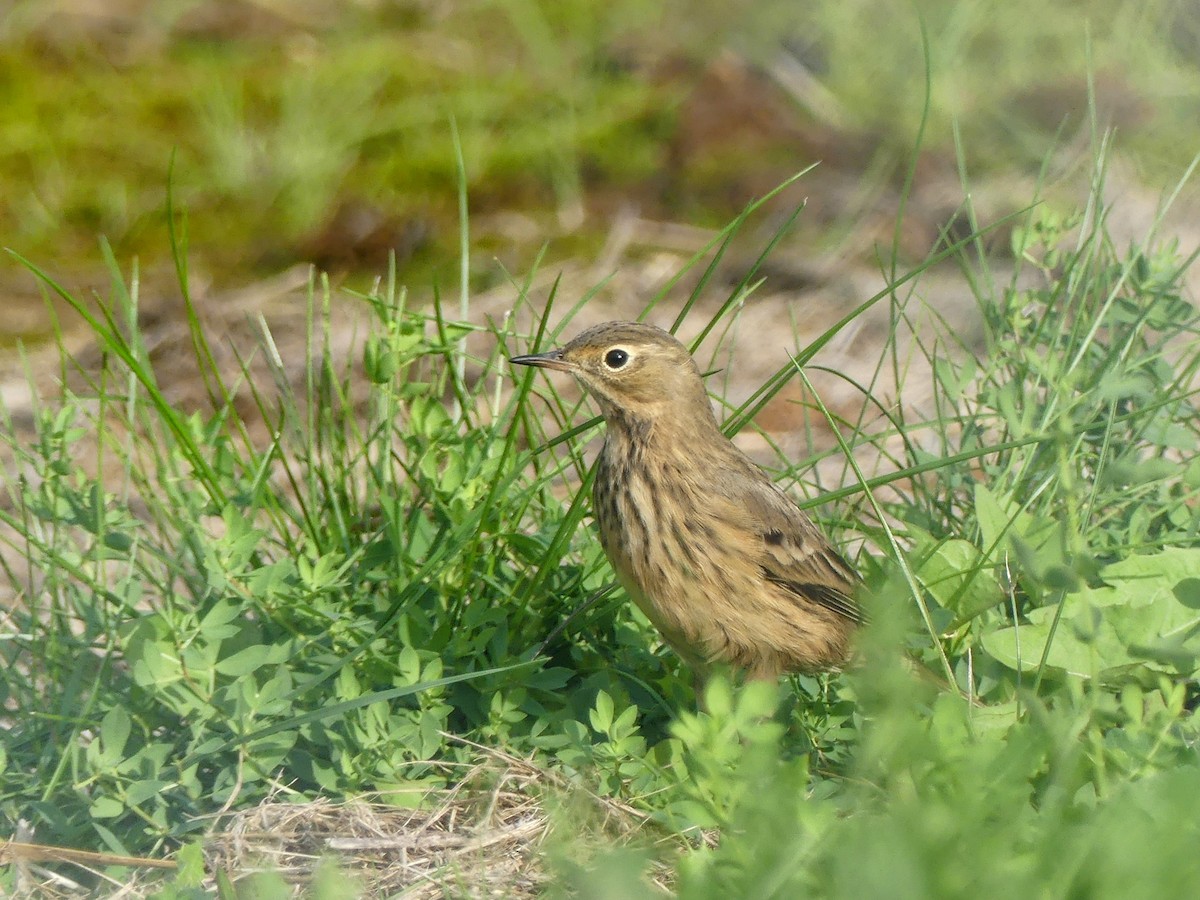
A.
pixel 791 550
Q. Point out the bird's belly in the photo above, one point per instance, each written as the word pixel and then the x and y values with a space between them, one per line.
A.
pixel 702 589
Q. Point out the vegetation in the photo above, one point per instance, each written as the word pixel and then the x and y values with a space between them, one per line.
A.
pixel 210 614
pixel 361 564
pixel 277 118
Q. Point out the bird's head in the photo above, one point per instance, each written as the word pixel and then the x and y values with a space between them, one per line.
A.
pixel 632 370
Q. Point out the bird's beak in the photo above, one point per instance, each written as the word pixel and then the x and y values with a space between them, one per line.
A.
pixel 551 360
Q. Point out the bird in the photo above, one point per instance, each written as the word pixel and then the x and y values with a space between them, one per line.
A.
pixel 717 556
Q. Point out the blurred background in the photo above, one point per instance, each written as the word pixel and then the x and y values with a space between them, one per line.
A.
pixel 608 133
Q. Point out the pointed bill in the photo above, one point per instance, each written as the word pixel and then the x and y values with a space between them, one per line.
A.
pixel 551 360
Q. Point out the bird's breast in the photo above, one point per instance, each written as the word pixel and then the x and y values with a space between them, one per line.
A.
pixel 652 520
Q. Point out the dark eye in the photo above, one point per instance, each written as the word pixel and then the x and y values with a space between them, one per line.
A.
pixel 614 359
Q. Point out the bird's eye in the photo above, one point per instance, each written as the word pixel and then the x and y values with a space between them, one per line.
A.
pixel 615 359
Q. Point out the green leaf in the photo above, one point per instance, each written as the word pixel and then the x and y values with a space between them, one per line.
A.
pixel 141 791
pixel 601 716
pixel 994 520
pixel 115 728
pixel 959 578
pixel 106 807
pixel 1146 615
pixel 1172 566
pixel 251 659
pixel 221 613
pixel 190 860
pixel 409 663
pixel 1001 520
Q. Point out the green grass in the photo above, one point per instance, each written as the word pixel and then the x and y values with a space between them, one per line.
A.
pixel 204 613
pixel 276 124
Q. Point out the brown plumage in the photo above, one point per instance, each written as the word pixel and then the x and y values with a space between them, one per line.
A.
pixel 715 555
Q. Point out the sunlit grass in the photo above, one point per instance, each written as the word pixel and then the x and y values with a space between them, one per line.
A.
pixel 203 608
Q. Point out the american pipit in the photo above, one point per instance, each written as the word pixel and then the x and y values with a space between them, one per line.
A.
pixel 716 556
